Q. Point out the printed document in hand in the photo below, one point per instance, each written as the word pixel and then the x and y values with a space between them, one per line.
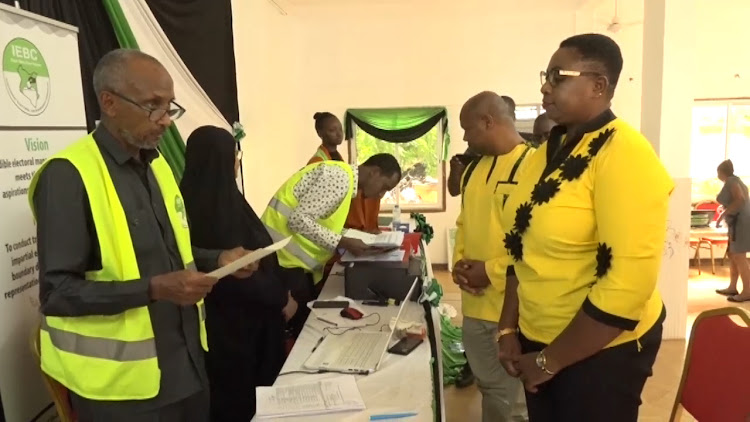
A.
pixel 248 259
pixel 330 395
pixel 382 240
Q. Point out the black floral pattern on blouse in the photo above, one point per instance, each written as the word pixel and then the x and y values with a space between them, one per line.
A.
pixel 514 245
pixel 544 191
pixel 603 260
pixel 571 169
pixel 599 141
pixel 523 217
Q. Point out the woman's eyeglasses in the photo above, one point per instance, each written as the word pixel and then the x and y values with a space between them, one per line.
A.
pixel 239 154
pixel 175 111
pixel 556 76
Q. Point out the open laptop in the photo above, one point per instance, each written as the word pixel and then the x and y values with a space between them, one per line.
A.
pixel 356 352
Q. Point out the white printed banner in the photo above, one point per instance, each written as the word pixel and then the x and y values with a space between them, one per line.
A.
pixel 41 112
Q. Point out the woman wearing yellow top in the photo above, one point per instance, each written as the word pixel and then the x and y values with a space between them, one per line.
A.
pixel 588 223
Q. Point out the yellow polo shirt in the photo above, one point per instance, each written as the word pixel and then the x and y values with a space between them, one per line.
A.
pixel 586 229
pixel 486 185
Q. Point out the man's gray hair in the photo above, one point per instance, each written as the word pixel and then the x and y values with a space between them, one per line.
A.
pixel 110 72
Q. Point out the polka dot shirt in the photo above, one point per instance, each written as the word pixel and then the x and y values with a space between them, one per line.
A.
pixel 319 194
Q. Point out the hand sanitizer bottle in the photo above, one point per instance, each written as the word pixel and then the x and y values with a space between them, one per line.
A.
pixel 396 217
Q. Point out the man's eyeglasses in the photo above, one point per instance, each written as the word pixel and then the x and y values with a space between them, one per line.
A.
pixel 556 76
pixel 155 114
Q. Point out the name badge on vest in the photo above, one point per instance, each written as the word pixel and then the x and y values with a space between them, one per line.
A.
pixel 179 207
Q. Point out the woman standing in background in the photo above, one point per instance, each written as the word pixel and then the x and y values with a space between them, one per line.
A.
pixel 331 133
pixel 734 198
pixel 245 318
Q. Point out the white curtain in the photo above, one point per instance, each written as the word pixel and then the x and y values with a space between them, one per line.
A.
pixel 189 94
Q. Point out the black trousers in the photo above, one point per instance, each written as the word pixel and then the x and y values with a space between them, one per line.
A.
pixel 246 350
pixel 192 409
pixel 303 290
pixel 603 388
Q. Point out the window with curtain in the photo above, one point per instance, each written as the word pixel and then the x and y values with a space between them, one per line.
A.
pixel 418 138
pixel 721 130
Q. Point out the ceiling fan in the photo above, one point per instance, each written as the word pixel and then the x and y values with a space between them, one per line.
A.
pixel 615 25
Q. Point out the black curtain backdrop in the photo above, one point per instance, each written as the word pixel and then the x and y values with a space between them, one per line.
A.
pixel 95 38
pixel 201 33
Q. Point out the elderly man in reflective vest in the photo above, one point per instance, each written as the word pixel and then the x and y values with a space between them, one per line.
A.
pixel 121 296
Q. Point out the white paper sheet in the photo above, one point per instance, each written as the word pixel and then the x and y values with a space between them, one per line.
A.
pixel 392 256
pixel 248 259
pixel 384 239
pixel 330 395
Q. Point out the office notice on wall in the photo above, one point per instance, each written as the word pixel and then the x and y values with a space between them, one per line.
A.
pixel 41 112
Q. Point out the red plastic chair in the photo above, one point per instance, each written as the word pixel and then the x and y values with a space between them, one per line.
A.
pixel 714 385
pixel 710 205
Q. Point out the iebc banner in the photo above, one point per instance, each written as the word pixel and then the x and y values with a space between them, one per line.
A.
pixel 41 112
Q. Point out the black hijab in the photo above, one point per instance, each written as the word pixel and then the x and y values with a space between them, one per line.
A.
pixel 220 217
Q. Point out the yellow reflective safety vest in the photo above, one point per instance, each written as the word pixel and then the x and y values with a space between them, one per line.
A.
pixel 302 252
pixel 322 154
pixel 111 357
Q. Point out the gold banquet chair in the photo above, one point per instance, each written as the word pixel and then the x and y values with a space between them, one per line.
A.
pixel 59 393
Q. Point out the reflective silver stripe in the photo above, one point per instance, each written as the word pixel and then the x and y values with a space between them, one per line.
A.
pixel 281 207
pixel 96 347
pixel 191 266
pixel 293 248
pixel 202 311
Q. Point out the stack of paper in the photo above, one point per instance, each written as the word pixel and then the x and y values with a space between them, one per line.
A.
pixel 396 255
pixel 330 395
pixel 382 240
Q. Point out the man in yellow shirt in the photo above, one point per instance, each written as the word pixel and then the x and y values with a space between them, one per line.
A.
pixel 480 259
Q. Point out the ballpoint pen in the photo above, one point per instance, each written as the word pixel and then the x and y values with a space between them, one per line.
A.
pixel 320 340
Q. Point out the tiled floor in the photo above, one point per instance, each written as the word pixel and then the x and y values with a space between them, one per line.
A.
pixel 464 405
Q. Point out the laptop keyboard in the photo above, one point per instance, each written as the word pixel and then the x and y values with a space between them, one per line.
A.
pixel 358 352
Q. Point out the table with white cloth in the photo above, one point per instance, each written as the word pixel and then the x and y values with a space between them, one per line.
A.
pixel 411 383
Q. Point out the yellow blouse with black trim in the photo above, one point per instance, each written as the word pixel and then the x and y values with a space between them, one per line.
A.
pixel 485 188
pixel 586 229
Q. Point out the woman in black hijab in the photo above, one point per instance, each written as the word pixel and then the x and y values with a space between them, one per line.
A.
pixel 245 318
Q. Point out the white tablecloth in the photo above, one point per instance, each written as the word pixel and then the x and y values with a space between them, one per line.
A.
pixel 402 384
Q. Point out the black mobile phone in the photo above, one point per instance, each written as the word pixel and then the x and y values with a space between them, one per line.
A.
pixel 328 304
pixel 465 159
pixel 405 346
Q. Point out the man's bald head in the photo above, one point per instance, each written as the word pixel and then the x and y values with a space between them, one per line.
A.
pixel 542 127
pixel 488 103
pixel 488 124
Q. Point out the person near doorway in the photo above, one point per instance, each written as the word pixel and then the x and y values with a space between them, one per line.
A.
pixel 734 198
pixel 480 261
pixel 586 233
pixel 123 317
pixel 542 127
pixel 331 135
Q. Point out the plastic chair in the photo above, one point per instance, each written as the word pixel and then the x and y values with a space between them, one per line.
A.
pixel 710 205
pixel 698 244
pixel 60 394
pixel 714 385
pixel 715 241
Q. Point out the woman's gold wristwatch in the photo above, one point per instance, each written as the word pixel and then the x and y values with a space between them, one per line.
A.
pixel 541 362
pixel 505 332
